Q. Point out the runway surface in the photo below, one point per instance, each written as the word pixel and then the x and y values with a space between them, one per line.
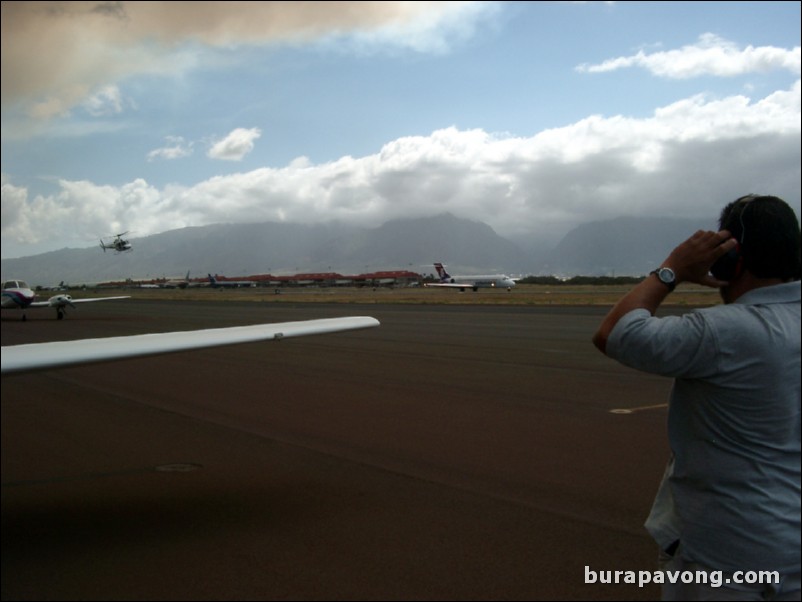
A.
pixel 453 453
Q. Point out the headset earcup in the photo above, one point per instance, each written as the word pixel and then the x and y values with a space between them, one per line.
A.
pixel 728 266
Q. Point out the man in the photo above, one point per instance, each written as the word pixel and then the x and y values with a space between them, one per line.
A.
pixel 730 498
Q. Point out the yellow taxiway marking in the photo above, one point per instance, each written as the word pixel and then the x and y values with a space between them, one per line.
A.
pixel 638 409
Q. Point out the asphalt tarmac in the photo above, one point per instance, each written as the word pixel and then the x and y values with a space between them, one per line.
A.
pixel 453 453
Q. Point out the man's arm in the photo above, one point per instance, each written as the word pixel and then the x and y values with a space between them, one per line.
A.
pixel 690 262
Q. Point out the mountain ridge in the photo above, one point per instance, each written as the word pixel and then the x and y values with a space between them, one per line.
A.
pixel 620 246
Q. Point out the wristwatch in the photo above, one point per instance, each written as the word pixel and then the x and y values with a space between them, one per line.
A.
pixel 666 276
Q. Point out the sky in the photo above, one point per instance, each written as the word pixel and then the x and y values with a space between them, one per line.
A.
pixel 532 117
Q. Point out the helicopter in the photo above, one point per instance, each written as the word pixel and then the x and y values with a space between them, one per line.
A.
pixel 118 245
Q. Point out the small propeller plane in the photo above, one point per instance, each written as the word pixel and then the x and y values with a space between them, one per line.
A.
pixel 118 245
pixel 42 356
pixel 18 295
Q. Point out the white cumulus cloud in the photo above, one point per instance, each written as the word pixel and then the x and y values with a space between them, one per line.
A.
pixel 685 160
pixel 710 55
pixel 235 145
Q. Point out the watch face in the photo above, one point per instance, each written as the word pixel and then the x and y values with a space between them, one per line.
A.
pixel 666 275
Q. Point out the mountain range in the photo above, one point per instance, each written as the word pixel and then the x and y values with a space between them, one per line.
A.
pixel 622 246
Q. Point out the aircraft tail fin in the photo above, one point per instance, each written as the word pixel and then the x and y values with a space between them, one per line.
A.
pixel 441 272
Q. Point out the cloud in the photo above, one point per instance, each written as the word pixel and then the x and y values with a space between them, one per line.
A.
pixel 236 145
pixel 80 213
pixel 711 55
pixel 16 213
pixel 106 101
pixel 686 160
pixel 177 149
pixel 434 29
pixel 57 54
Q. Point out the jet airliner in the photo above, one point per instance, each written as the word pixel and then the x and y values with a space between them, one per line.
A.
pixel 472 282
pixel 214 282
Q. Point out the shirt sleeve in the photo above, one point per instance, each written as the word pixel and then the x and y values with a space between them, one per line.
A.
pixel 676 346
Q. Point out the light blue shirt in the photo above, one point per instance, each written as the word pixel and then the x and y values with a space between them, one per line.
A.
pixel 731 493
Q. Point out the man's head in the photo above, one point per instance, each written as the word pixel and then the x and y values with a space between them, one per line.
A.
pixel 767 231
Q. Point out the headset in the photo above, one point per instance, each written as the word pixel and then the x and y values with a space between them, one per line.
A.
pixel 730 265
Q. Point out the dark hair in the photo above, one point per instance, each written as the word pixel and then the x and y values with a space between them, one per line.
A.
pixel 768 231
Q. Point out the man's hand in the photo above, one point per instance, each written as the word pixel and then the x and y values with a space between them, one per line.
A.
pixel 691 260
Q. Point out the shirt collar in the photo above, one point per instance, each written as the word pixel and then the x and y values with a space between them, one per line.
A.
pixel 787 292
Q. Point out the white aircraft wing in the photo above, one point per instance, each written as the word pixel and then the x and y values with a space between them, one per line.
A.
pixel 39 356
pixel 56 300
pixel 450 284
pixel 99 299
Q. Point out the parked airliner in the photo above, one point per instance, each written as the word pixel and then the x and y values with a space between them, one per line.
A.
pixel 215 283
